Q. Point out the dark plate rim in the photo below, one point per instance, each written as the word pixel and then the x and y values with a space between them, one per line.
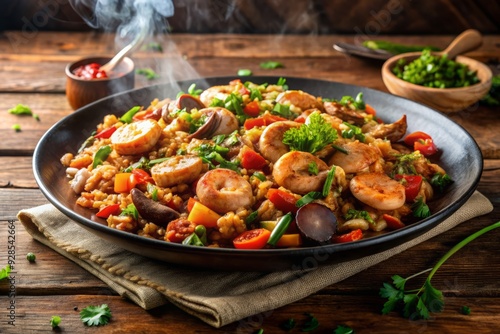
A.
pixel 386 237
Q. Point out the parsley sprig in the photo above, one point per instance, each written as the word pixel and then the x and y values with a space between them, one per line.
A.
pixel 420 303
pixel 96 315
pixel 359 214
pixel 311 137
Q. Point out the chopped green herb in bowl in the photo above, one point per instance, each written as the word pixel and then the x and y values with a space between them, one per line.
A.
pixel 445 84
pixel 436 71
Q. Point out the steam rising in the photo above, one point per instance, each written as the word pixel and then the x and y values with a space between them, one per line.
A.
pixel 128 18
pixel 138 21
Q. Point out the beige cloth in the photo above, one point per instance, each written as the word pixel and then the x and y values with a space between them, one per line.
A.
pixel 218 298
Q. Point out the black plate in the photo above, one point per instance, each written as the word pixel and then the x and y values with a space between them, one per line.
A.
pixel 460 156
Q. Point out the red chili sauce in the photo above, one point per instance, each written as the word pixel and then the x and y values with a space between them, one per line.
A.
pixel 90 71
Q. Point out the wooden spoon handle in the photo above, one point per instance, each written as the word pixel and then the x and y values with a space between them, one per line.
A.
pixel 467 41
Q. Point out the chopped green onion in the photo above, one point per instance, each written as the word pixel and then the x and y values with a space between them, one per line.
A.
pixel 193 240
pixel 465 310
pixel 280 229
pixel 88 142
pixel 255 94
pixel 252 217
pixel 127 117
pixel 31 257
pixel 153 162
pixel 340 149
pixel 328 182
pixel 244 72
pixel 282 82
pixel 149 73
pixel 193 91
pixel 353 131
pixel 311 324
pixel 5 272
pixel 101 155
pixel 283 110
pixel 308 198
pixel 55 321
pixel 21 109
pixel 153 190
pixel 16 127
pixel 270 65
pixel 130 210
pixel 259 176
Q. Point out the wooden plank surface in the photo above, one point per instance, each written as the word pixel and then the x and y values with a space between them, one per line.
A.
pixel 55 285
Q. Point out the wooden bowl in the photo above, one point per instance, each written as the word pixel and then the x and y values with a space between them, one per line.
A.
pixel 442 99
pixel 81 92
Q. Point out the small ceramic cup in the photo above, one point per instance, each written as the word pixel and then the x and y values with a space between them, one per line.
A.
pixel 81 92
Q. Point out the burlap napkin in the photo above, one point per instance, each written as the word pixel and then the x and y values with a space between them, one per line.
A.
pixel 218 298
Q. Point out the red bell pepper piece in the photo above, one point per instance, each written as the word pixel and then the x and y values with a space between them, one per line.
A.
pixel 392 222
pixel 282 200
pixel 141 176
pixel 252 160
pixel 252 109
pixel 412 185
pixel 262 121
pixel 109 210
pixel 106 133
pixel 348 237
pixel 422 142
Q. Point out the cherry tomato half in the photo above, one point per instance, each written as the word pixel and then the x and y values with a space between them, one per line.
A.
pixel 252 239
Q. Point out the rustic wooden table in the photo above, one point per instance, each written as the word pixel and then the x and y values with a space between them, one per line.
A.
pixel 32 72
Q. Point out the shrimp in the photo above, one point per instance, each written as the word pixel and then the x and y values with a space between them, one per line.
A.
pixel 299 99
pixel 79 180
pixel 292 172
pixel 271 140
pixel 224 190
pixel 334 121
pixel 378 191
pixel 136 137
pixel 393 132
pixel 219 92
pixel 358 158
pixel 176 170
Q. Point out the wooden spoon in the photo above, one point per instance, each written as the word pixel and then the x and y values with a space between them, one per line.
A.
pixel 467 41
